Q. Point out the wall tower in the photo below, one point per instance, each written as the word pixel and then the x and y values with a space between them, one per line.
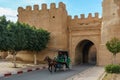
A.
pixel 54 20
pixel 110 27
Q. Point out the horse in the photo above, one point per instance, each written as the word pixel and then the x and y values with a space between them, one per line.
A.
pixel 51 63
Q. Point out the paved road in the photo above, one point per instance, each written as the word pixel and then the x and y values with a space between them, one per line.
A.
pixel 46 75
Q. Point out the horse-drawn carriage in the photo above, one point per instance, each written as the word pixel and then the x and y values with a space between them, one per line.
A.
pixel 61 62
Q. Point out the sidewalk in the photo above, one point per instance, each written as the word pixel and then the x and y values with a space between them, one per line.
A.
pixel 94 73
pixel 6 68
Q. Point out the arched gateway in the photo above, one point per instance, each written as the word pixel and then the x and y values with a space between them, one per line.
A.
pixel 84 41
pixel 85 52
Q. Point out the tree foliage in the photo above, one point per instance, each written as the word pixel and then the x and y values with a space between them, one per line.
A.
pixel 113 46
pixel 38 40
pixel 4 36
pixel 17 36
pixel 3 21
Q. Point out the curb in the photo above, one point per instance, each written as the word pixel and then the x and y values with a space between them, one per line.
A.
pixel 102 76
pixel 22 71
pixel 76 76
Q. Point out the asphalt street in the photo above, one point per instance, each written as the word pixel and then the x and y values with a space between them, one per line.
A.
pixel 46 75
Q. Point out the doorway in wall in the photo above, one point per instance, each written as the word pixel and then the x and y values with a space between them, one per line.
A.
pixel 85 52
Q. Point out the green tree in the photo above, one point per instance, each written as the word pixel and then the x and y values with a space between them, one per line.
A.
pixel 3 33
pixel 37 41
pixel 3 21
pixel 17 39
pixel 114 47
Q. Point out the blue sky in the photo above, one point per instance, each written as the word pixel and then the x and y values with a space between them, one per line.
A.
pixel 74 7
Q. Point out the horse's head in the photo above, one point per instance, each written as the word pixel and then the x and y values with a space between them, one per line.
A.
pixel 47 58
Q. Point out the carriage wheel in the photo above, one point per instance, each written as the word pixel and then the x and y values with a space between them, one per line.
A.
pixel 64 67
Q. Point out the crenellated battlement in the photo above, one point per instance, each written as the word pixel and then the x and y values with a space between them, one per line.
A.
pixel 28 8
pixel 52 6
pixel 84 20
pixel 62 5
pixel 53 14
pixel 36 7
pixel 43 7
pixel 82 16
pixel 20 9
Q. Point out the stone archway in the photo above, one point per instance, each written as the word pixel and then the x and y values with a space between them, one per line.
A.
pixel 85 52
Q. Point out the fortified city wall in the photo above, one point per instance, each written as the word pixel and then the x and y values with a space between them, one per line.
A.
pixel 74 34
pixel 59 24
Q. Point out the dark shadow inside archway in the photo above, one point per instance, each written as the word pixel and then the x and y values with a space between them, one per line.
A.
pixel 85 53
